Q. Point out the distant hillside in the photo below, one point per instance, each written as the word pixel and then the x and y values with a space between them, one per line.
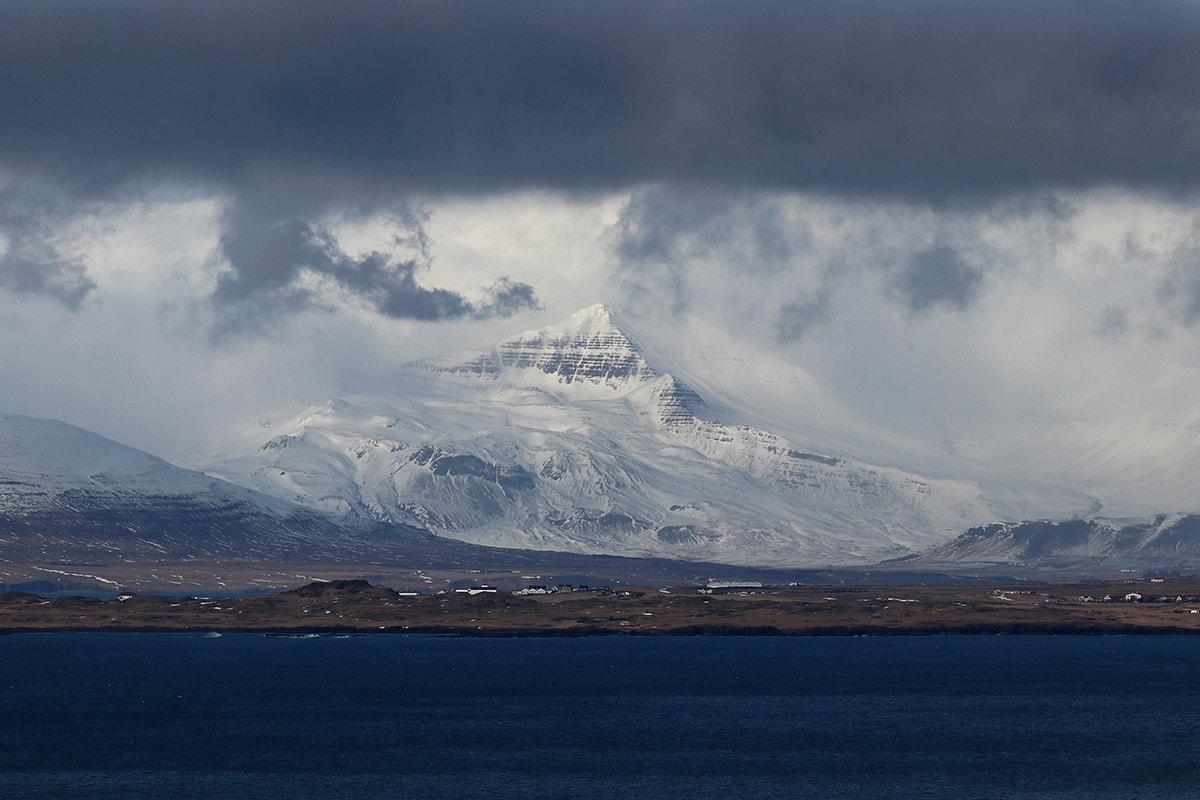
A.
pixel 1165 543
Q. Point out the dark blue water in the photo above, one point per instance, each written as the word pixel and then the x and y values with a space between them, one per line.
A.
pixel 177 715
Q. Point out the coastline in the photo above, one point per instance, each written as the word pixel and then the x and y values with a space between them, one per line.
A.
pixel 1161 606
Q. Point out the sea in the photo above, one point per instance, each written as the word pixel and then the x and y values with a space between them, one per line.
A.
pixel 113 715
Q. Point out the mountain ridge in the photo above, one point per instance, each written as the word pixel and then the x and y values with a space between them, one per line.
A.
pixel 1166 542
pixel 70 496
pixel 82 512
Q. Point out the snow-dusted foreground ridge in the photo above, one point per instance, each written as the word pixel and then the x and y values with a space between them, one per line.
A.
pixel 570 438
pixel 68 495
pixel 1169 541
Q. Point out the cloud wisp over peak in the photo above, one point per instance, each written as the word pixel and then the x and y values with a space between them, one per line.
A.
pixel 291 264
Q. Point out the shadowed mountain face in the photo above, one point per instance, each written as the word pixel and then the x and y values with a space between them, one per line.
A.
pixel 570 438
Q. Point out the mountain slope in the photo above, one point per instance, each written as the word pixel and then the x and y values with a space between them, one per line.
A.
pixel 569 438
pixel 66 492
pixel 83 513
pixel 1164 543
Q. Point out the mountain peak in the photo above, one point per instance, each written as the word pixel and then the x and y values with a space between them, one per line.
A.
pixel 594 316
pixel 588 347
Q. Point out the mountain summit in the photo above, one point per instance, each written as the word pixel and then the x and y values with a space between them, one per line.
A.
pixel 568 438
pixel 588 347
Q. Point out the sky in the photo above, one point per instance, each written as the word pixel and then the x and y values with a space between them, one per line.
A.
pixel 972 223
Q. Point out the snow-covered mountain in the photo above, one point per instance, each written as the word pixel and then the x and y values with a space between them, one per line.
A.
pixel 573 438
pixel 81 512
pixel 65 491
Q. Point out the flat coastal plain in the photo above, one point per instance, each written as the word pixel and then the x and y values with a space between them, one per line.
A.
pixel 1160 606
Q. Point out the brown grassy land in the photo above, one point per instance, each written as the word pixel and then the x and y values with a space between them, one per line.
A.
pixel 342 606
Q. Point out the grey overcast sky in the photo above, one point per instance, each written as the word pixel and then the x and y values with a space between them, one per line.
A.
pixel 972 222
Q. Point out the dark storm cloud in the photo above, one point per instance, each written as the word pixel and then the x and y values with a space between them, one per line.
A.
pixel 664 224
pixel 269 257
pixel 931 98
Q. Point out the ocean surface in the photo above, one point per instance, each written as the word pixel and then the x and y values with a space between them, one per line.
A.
pixel 390 716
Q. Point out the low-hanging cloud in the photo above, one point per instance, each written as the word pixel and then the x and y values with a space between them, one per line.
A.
pixel 667 239
pixel 45 273
pixel 31 260
pixel 792 265
pixel 270 258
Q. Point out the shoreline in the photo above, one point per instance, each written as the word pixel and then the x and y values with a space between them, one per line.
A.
pixel 355 607
pixel 700 632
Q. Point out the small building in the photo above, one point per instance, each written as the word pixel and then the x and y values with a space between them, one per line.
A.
pixel 734 585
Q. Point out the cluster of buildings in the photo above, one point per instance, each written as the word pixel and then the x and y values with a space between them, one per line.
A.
pixel 1138 597
pixel 562 587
